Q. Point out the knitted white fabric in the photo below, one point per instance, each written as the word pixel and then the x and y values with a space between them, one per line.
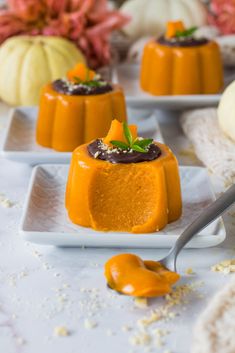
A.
pixel 215 328
pixel 211 145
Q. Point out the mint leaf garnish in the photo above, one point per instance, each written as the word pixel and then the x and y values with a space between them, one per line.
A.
pixel 127 133
pixel 138 145
pixel 119 144
pixel 143 143
pixel 77 79
pixel 93 83
pixel 138 148
pixel 187 33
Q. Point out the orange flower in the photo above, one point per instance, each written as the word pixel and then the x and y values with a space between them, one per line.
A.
pixel 28 10
pixel 81 72
pixel 222 15
pixel 87 23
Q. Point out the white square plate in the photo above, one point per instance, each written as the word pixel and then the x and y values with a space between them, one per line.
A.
pixel 45 218
pixel 127 75
pixel 20 145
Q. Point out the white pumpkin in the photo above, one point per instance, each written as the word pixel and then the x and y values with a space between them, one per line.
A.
pixel 226 111
pixel 149 17
pixel 28 63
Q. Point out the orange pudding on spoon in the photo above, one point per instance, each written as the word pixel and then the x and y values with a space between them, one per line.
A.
pixel 130 275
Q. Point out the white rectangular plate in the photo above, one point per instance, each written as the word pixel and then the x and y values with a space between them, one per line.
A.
pixel 45 218
pixel 127 75
pixel 20 145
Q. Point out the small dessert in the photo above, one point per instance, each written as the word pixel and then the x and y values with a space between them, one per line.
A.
pixel 77 109
pixel 130 275
pixel 123 183
pixel 179 63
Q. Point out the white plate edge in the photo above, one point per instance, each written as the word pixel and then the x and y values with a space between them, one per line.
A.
pixel 24 156
pixel 10 117
pixel 214 239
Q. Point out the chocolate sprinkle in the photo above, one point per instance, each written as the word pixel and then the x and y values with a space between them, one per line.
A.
pixel 182 41
pixel 71 89
pixel 100 151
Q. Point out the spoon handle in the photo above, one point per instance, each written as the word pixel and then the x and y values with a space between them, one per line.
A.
pixel 212 212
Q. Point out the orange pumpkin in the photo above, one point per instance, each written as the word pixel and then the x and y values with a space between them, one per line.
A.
pixel 178 70
pixel 134 197
pixel 130 275
pixel 67 121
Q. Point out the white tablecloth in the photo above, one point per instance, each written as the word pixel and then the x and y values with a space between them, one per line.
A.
pixel 46 287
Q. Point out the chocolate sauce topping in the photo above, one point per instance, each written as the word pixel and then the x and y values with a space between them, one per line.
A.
pixel 182 41
pixel 65 87
pixel 97 150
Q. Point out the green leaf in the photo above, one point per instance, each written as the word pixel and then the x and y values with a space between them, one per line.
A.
pixel 138 148
pixel 119 144
pixel 187 33
pixel 143 143
pixel 92 83
pixel 77 79
pixel 127 134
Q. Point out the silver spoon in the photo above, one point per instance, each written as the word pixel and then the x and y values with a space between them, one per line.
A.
pixel 212 212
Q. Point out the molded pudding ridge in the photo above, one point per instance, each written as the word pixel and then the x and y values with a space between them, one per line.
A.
pixel 127 194
pixel 77 109
pixel 179 63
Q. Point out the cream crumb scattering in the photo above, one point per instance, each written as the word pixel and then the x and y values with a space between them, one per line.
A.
pixel 5 202
pixel 36 253
pixel 110 332
pixel 61 331
pixel 66 285
pixel 151 337
pixel 225 267
pixel 62 298
pixel 140 339
pixel 164 312
pixel 56 274
pixel 126 328
pixel 83 290
pixel 141 303
pixel 23 274
pixel 89 324
pixel 189 271
pixel 159 332
pixel 20 341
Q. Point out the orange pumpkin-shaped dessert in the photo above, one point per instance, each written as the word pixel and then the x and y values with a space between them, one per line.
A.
pixel 123 183
pixel 78 109
pixel 130 275
pixel 178 63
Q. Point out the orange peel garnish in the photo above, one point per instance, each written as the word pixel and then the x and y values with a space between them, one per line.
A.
pixel 80 72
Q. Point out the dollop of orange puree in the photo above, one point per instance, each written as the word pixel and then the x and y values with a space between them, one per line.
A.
pixel 81 72
pixel 173 27
pixel 130 275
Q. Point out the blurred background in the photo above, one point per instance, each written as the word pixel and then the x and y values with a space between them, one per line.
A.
pixel 101 32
